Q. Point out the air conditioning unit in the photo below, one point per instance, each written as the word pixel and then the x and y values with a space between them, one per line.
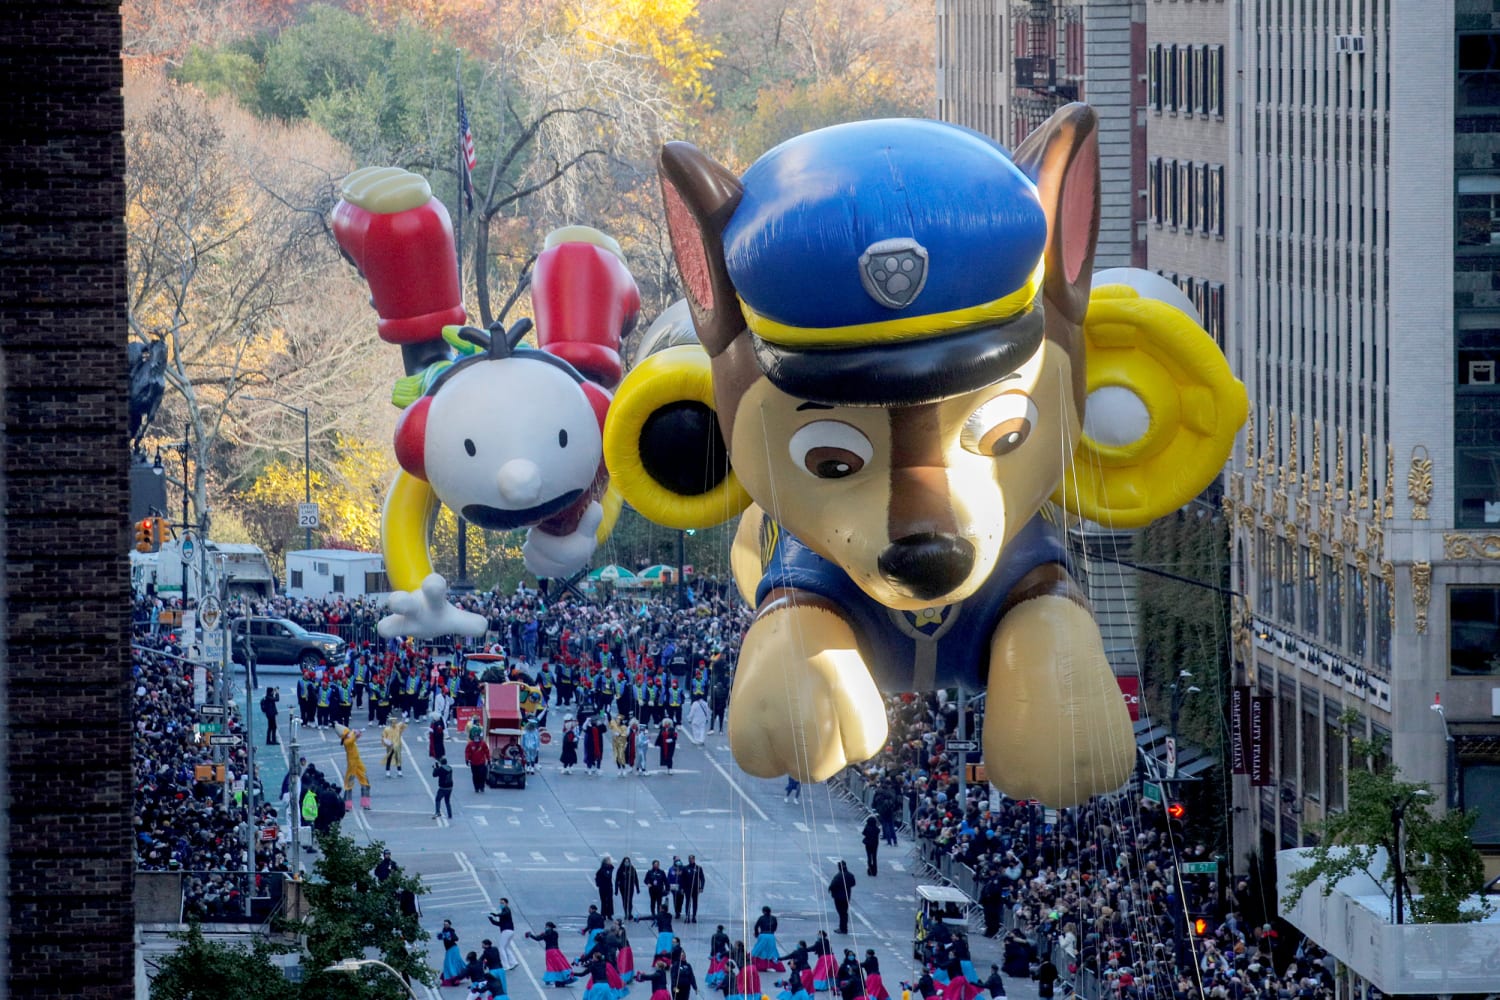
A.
pixel 1349 44
pixel 1481 373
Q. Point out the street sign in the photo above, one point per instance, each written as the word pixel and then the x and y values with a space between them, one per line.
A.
pixel 1171 757
pixel 209 611
pixel 210 709
pixel 1200 868
pixel 189 548
pixel 963 746
pixel 213 646
pixel 546 737
pixel 210 727
pixel 1151 790
pixel 230 740
pixel 307 515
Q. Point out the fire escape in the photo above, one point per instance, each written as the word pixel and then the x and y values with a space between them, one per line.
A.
pixel 1048 60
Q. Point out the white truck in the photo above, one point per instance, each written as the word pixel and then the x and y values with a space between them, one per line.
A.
pixel 318 573
pixel 244 567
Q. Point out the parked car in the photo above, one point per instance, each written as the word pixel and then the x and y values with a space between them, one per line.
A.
pixel 279 640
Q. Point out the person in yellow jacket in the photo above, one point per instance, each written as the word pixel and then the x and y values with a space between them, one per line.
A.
pixel 354 769
pixel 390 738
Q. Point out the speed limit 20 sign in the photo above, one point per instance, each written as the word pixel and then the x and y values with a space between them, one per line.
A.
pixel 307 515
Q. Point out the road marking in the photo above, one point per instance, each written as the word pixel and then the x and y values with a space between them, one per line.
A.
pixel 600 809
pixel 538 857
pixel 443 821
pixel 735 785
pixel 830 828
pixel 502 857
pixel 550 868
pixel 480 821
pixel 802 828
pixel 611 823
pixel 644 822
pixel 489 904
pixel 568 856
pixel 710 812
pixel 513 820
pixel 511 808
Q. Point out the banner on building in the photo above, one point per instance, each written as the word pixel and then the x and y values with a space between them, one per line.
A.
pixel 1130 688
pixel 1239 728
pixel 1261 716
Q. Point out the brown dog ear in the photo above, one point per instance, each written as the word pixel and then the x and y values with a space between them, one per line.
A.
pixel 1062 158
pixel 700 195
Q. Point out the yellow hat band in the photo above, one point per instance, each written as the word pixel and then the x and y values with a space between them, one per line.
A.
pixel 894 330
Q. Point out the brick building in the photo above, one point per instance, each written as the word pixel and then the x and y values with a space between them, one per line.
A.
pixel 65 827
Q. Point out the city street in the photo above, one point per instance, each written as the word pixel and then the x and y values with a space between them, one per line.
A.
pixel 540 846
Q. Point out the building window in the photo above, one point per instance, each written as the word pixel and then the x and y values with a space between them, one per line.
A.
pixel 1312 756
pixel 1169 173
pixel 377 583
pixel 1172 79
pixel 296 579
pixel 1357 612
pixel 1204 173
pixel 1333 761
pixel 1286 728
pixel 1215 85
pixel 1215 316
pixel 1333 601
pixel 1286 608
pixel 1382 609
pixel 1267 571
pixel 1479 210
pixel 338 584
pixel 1200 301
pixel 1189 77
pixel 1310 602
pixel 1474 631
pixel 1154 78
pixel 1478 71
pixel 1153 190
pixel 1186 176
pixel 1216 200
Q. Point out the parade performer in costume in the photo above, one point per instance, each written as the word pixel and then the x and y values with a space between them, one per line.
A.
pixel 624 954
pixel 531 745
pixel 354 770
pixel 390 738
pixel 453 959
pixel 558 971
pixel 825 966
pixel 765 954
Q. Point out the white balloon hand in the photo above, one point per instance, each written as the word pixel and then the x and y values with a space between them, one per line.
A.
pixel 425 613
pixel 551 556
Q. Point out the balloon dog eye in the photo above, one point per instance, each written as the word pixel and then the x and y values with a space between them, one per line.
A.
pixel 830 449
pixel 562 438
pixel 469 446
pixel 999 425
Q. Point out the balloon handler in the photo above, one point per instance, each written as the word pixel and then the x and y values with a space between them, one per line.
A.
pixel 354 769
pixel 505 435
pixel 906 376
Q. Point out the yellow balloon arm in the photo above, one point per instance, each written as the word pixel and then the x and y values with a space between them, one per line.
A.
pixel 405 527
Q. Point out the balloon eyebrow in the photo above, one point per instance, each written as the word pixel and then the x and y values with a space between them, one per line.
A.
pixel 813 406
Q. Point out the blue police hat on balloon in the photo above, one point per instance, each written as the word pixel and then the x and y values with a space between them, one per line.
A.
pixel 888 261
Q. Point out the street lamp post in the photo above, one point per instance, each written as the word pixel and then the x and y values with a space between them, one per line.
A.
pixel 306 455
pixel 1399 805
pixel 1179 693
pixel 355 964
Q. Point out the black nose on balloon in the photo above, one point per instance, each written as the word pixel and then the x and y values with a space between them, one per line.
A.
pixel 928 565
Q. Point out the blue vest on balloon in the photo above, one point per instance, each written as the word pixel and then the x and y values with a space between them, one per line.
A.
pixel 916 650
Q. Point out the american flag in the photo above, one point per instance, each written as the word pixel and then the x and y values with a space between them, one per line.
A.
pixel 466 143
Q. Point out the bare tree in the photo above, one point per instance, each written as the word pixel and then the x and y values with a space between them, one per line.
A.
pixel 225 230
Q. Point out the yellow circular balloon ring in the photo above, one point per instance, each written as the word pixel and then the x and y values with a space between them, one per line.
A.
pixel 669 377
pixel 1162 414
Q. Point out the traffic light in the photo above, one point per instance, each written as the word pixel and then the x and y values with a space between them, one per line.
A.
pixel 1176 810
pixel 143 535
pixel 1200 926
pixel 159 531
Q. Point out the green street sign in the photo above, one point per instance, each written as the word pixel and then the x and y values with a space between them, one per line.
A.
pixel 1152 791
pixel 1200 868
pixel 210 727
